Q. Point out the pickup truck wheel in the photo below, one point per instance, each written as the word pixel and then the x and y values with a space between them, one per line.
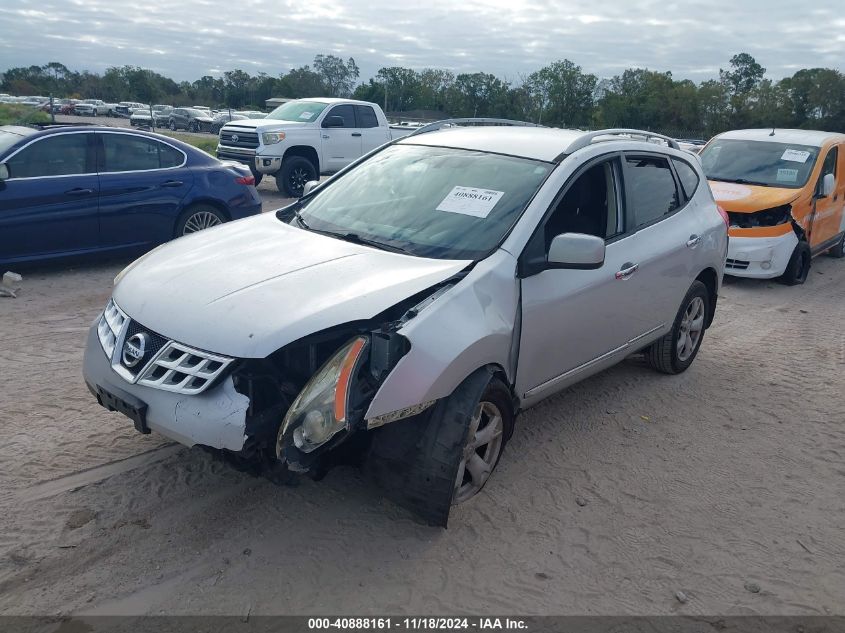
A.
pixel 257 175
pixel 445 455
pixel 293 175
pixel 799 265
pixel 197 218
pixel 673 353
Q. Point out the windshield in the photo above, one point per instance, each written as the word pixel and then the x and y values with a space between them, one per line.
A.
pixel 759 162
pixel 302 111
pixel 429 201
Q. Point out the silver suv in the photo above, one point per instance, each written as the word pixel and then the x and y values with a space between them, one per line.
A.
pixel 403 312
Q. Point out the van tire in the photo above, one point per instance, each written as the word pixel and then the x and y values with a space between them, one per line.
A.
pixel 295 172
pixel 415 461
pixel 663 354
pixel 799 265
pixel 838 251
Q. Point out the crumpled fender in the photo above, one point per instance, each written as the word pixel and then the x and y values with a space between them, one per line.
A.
pixel 470 326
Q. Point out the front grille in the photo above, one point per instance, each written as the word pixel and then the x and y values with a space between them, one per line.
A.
pixel 737 264
pixel 246 140
pixel 182 369
pixel 108 329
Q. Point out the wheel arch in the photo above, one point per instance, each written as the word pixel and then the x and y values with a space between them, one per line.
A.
pixel 710 278
pixel 306 152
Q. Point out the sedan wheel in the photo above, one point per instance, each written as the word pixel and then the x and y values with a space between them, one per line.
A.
pixel 481 452
pixel 198 219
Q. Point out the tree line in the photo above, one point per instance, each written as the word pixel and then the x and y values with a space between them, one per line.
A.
pixel 560 94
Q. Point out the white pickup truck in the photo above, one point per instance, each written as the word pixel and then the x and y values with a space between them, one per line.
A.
pixel 304 138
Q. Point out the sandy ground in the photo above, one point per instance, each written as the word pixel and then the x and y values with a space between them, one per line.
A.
pixel 611 497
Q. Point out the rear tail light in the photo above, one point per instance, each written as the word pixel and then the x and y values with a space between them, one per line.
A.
pixel 724 215
pixel 245 180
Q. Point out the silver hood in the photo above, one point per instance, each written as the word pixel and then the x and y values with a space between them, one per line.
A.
pixel 247 288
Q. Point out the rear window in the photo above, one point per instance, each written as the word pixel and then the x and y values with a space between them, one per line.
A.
pixel 650 188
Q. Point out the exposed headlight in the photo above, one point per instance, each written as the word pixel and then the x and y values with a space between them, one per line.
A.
pixel 271 138
pixel 320 411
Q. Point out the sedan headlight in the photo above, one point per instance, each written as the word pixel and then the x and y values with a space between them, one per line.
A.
pixel 271 138
pixel 321 409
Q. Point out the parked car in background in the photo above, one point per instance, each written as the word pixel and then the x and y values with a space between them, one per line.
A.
pixel 304 138
pixel 126 108
pixel 226 116
pixel 784 191
pixel 91 107
pixel 68 107
pixel 407 309
pixel 86 190
pixel 189 119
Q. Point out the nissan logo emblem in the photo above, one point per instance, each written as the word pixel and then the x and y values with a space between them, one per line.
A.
pixel 134 349
pixel 235 138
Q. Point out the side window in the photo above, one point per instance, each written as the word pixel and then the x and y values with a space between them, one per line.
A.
pixel 123 152
pixel 829 166
pixel 650 188
pixel 170 156
pixel 366 116
pixel 589 205
pixel 688 176
pixel 346 112
pixel 59 155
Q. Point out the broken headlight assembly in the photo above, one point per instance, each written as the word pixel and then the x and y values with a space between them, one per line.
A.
pixel 321 410
pixel 766 217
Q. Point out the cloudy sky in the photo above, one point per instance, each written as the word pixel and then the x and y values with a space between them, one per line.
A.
pixel 186 39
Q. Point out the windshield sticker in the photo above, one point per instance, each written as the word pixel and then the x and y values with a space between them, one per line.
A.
pixel 787 175
pixel 306 115
pixel 796 156
pixel 470 201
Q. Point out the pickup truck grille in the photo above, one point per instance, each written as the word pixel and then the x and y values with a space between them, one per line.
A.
pixel 237 138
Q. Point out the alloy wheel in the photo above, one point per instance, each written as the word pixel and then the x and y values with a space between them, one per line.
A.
pixel 481 452
pixel 199 221
pixel 692 326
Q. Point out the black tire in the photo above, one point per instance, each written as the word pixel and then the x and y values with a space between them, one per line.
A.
pixel 664 355
pixel 416 461
pixel 196 218
pixel 838 251
pixel 193 126
pixel 799 265
pixel 293 175
pixel 256 174
pixel 172 125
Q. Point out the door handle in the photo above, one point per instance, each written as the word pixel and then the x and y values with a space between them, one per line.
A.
pixel 356 134
pixel 172 183
pixel 79 191
pixel 693 241
pixel 627 270
pixel 326 136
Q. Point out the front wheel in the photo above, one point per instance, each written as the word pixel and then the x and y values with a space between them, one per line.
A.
pixel 198 218
pixel 293 175
pixel 256 174
pixel 799 265
pixel 675 352
pixel 172 125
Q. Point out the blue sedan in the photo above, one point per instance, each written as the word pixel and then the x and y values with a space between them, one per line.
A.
pixel 70 191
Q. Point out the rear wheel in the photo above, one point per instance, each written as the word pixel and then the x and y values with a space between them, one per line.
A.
pixel 293 175
pixel 838 251
pixel 799 265
pixel 675 352
pixel 198 218
pixel 172 125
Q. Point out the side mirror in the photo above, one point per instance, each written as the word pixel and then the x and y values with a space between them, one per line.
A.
pixel 828 184
pixel 576 250
pixel 4 171
pixel 333 121
pixel 309 186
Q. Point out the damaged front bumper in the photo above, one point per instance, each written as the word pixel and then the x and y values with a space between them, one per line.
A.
pixel 215 418
pixel 760 257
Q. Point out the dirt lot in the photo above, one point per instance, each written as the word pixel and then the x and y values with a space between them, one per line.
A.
pixel 611 497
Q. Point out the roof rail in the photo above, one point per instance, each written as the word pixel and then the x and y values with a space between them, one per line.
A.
pixel 472 121
pixel 587 139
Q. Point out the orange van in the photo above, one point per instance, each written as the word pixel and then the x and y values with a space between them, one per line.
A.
pixel 784 191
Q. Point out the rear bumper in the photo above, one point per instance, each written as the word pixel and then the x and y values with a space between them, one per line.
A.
pixel 215 418
pixel 760 257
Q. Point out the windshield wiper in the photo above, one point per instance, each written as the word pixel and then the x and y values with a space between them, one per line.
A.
pixel 357 239
pixel 742 181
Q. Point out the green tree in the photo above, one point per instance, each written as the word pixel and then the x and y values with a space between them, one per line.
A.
pixel 338 77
